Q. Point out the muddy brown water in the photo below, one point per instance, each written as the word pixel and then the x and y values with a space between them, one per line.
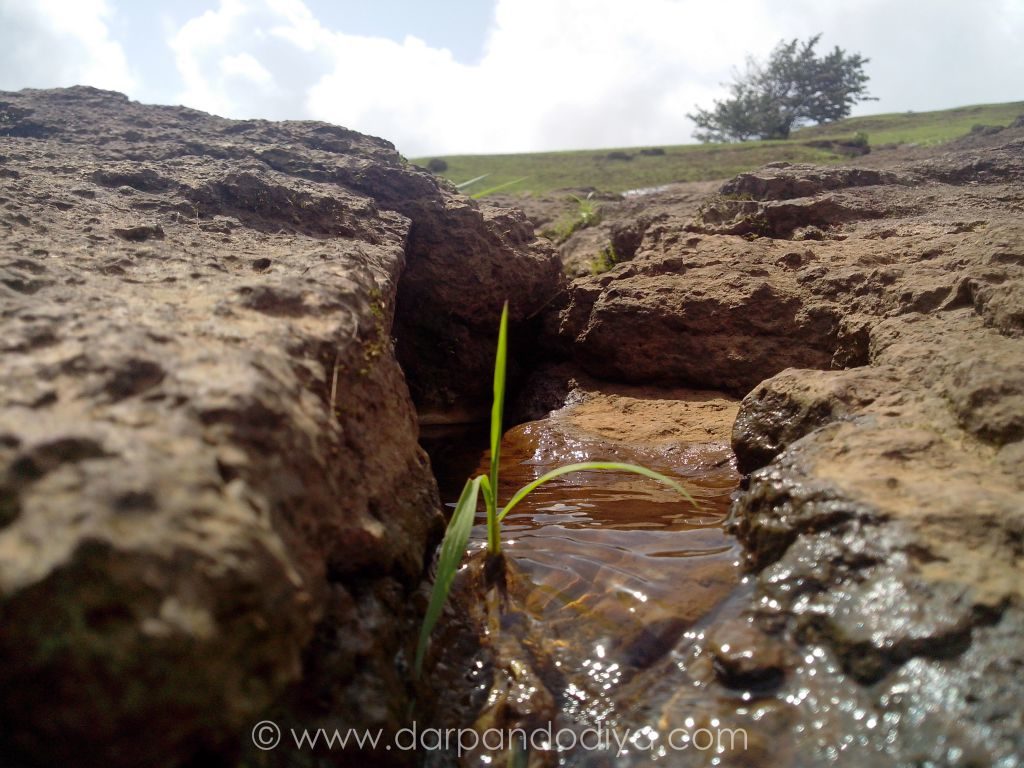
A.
pixel 608 570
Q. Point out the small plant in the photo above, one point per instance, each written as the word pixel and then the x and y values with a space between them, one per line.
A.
pixel 605 260
pixel 456 537
pixel 587 215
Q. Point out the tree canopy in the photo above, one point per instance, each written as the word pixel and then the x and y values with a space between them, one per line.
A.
pixel 795 87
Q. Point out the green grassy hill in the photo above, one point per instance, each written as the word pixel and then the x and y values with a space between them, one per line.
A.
pixel 616 170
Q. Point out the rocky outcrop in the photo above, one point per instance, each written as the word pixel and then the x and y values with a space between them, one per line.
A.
pixel 614 226
pixel 213 508
pixel 463 266
pixel 824 254
pixel 873 319
pixel 212 500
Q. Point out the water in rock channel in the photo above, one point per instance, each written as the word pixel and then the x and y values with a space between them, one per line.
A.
pixel 606 571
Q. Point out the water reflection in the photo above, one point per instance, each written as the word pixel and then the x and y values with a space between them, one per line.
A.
pixel 613 566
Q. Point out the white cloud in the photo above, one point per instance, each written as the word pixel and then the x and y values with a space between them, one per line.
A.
pixel 51 43
pixel 246 67
pixel 579 73
pixel 554 74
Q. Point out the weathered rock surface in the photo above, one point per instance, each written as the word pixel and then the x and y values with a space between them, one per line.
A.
pixel 884 510
pixel 698 306
pixel 212 500
pixel 213 508
pixel 620 220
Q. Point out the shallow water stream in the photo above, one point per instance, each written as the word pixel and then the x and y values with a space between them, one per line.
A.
pixel 607 570
pixel 626 626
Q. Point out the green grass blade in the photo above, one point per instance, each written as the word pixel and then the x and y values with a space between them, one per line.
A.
pixel 520 755
pixel 498 188
pixel 471 182
pixel 497 411
pixel 611 466
pixel 453 547
pixel 485 489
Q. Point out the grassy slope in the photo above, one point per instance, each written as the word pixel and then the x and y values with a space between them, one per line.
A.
pixel 546 171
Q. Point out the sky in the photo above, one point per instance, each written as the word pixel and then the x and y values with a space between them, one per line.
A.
pixel 487 76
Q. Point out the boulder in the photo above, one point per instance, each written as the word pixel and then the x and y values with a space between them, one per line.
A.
pixel 212 500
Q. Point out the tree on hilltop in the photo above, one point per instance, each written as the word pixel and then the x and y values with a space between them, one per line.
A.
pixel 793 88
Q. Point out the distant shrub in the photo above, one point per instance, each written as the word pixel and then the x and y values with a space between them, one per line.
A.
pixel 437 165
pixel 852 147
pixel 985 130
pixel 617 155
pixel 652 152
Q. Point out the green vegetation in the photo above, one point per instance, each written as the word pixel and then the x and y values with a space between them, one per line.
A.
pixel 604 169
pixel 456 537
pixel 497 188
pixel 604 260
pixel 795 87
pixel 924 128
pixel 587 215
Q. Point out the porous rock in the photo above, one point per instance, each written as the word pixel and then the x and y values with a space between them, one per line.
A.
pixel 212 500
pixel 872 318
pixel 787 267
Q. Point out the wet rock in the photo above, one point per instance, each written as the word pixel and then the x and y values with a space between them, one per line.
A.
pixel 795 402
pixel 212 500
pixel 886 524
pixel 745 657
pixel 961 711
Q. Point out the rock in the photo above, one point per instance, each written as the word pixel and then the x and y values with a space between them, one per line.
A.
pixel 464 263
pixel 619 228
pixel 212 499
pixel 696 306
pixel 795 402
pixel 872 317
pixel 887 526
pixel 785 181
pixel 690 321
pixel 746 657
pixel 485 254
